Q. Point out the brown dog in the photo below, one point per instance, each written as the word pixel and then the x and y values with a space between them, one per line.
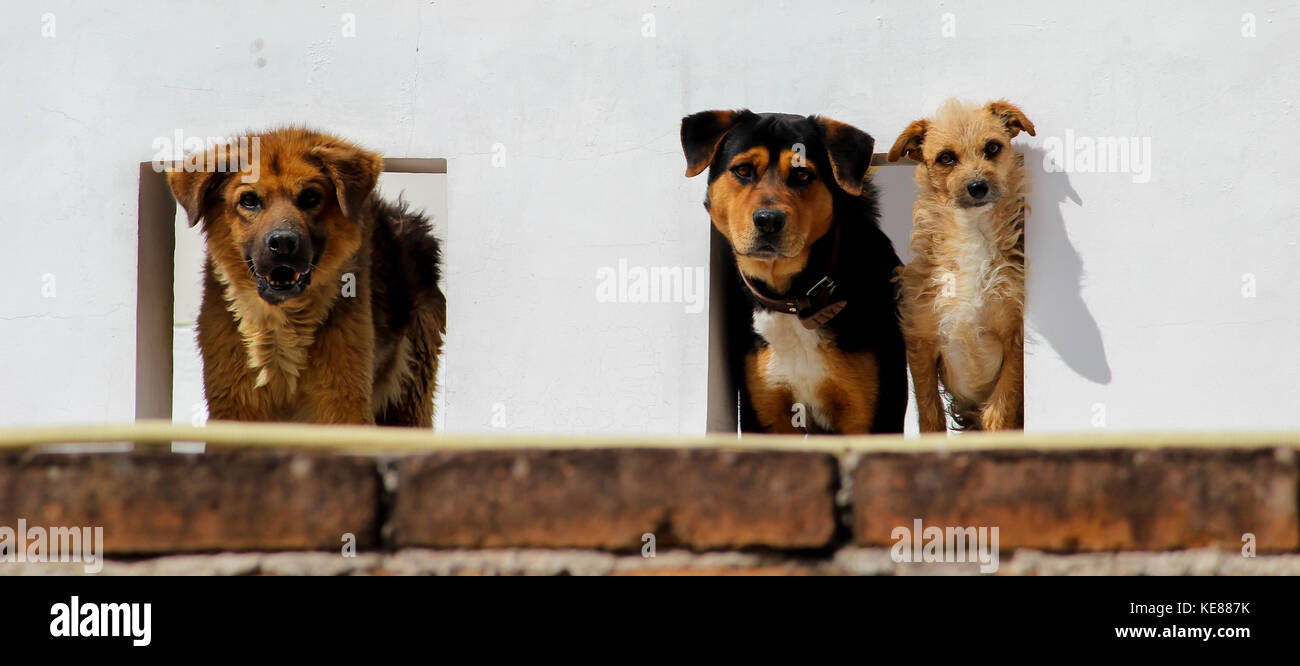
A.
pixel 963 292
pixel 321 301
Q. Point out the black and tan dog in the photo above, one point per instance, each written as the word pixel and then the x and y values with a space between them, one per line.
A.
pixel 320 300
pixel 812 314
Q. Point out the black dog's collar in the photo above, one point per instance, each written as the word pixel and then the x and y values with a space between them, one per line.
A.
pixel 817 306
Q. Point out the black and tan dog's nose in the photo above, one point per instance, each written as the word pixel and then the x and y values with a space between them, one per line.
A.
pixel 769 220
pixel 283 243
pixel 978 188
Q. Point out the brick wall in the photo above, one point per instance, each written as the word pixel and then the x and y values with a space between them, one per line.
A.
pixel 495 509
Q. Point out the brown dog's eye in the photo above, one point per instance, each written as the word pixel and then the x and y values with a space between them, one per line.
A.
pixel 991 149
pixel 801 176
pixel 249 200
pixel 947 158
pixel 308 199
pixel 743 171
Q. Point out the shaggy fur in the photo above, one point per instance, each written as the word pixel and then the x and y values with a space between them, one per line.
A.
pixel 345 330
pixel 848 374
pixel 963 292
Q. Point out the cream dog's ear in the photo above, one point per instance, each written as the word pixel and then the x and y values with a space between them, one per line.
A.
pixel 909 142
pixel 1011 116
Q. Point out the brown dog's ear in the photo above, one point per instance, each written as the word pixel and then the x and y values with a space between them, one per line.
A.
pixel 354 173
pixel 191 184
pixel 702 133
pixel 850 151
pixel 1011 116
pixel 909 142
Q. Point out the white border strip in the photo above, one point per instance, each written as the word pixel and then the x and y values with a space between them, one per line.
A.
pixel 371 439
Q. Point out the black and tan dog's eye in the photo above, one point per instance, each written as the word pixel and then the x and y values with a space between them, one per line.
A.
pixel 249 200
pixel 946 158
pixel 743 171
pixel 308 199
pixel 991 149
pixel 801 176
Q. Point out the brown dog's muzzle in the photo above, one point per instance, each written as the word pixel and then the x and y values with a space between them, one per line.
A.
pixel 282 262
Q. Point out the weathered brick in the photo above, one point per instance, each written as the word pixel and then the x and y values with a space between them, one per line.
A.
pixel 1086 500
pixel 609 498
pixel 160 502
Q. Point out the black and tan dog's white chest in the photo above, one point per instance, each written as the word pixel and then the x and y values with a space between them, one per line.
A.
pixel 843 376
pixel 798 360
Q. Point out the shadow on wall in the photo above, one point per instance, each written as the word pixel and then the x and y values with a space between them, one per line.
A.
pixel 897 194
pixel 1057 312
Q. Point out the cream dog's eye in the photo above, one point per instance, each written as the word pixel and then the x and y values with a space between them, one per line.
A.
pixel 991 149
pixel 947 158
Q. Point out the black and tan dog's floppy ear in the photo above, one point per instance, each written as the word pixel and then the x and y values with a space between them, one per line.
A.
pixel 1011 116
pixel 849 149
pixel 354 173
pixel 191 184
pixel 702 133
pixel 909 142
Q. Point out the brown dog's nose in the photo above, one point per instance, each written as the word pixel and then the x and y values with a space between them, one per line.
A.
pixel 282 243
pixel 978 188
pixel 769 220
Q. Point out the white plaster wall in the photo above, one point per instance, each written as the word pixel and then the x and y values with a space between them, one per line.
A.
pixel 1135 289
